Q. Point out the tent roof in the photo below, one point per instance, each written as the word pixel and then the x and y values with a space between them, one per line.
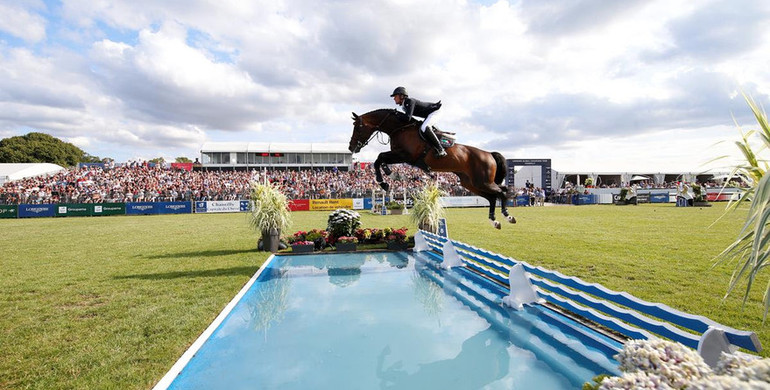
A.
pixel 10 172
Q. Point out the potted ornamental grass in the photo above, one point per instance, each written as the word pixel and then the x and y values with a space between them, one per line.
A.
pixel 346 244
pixel 269 215
pixel 427 209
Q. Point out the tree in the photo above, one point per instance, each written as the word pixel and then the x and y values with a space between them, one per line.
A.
pixel 158 160
pixel 41 148
pixel 183 160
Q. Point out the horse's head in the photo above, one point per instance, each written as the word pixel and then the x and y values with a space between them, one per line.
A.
pixel 362 133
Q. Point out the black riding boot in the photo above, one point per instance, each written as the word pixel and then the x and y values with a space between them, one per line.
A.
pixel 433 140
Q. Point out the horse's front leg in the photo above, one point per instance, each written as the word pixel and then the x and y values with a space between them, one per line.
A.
pixel 378 174
pixel 386 158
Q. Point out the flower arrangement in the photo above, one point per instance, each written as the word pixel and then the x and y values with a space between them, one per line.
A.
pixel 661 364
pixel 303 243
pixel 393 205
pixel 342 222
pixel 297 237
pixel 370 235
pixel 347 240
pixel 395 235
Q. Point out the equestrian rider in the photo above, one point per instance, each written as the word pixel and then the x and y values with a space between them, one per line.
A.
pixel 413 107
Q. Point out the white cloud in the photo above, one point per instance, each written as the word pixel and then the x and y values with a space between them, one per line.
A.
pixel 21 23
pixel 159 78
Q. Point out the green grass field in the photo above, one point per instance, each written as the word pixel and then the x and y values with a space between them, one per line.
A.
pixel 112 302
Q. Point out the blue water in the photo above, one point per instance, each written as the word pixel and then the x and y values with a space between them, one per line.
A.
pixel 388 321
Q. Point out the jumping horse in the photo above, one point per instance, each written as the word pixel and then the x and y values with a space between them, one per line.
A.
pixel 481 172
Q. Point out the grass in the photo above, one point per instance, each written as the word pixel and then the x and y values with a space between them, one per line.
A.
pixel 112 302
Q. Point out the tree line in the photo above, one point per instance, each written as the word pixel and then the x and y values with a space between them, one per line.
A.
pixel 37 147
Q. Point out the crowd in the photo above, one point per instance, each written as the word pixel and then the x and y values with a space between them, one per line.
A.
pixel 145 183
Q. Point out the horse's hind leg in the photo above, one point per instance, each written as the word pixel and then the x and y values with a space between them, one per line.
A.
pixel 503 207
pixel 491 199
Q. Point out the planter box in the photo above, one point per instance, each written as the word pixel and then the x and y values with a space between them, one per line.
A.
pixel 397 246
pixel 396 211
pixel 302 248
pixel 702 204
pixel 345 246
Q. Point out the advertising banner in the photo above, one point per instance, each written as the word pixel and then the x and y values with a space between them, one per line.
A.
pixel 139 208
pixel 174 208
pixel 299 205
pixel 464 201
pixel 522 200
pixel 330 204
pixel 659 197
pixel 222 206
pixel 9 211
pixel 74 209
pixel 37 210
pixel 368 203
pixel 109 209
pixel 358 204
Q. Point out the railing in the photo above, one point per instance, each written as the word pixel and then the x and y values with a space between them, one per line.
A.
pixel 618 311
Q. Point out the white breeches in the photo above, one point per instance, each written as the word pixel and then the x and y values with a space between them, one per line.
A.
pixel 429 120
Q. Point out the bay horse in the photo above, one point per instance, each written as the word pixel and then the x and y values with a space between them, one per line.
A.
pixel 481 172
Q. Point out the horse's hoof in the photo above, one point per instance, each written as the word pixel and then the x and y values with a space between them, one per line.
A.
pixel 496 224
pixel 384 186
pixel 386 170
pixel 511 219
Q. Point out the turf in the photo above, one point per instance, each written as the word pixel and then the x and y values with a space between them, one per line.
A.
pixel 112 302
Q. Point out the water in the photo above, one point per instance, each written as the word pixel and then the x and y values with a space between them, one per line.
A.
pixel 387 321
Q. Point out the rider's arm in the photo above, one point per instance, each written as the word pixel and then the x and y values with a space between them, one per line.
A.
pixel 408 108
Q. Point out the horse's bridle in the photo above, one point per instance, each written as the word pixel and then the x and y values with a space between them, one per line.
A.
pixel 377 129
pixel 359 144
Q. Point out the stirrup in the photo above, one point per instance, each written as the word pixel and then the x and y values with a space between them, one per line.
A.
pixel 440 153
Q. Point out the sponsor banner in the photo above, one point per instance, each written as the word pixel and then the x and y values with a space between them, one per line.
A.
pixel 109 209
pixel 139 208
pixel 464 201
pixel 368 204
pixel 182 166
pixel 358 204
pixel 175 208
pixel 299 205
pixel 330 204
pixel 522 200
pixel 9 211
pixel 716 196
pixel 37 210
pixel 659 197
pixel 222 206
pixel 74 209
pixel 582 199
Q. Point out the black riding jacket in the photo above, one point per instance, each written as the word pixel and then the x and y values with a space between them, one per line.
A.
pixel 414 107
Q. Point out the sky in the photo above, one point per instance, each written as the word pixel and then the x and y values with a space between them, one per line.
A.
pixel 594 85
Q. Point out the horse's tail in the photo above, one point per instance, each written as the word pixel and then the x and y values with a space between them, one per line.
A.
pixel 501 168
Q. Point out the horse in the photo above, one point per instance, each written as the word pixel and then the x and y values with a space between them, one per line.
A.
pixel 481 172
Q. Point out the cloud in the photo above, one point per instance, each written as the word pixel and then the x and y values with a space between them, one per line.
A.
pixel 721 30
pixel 22 23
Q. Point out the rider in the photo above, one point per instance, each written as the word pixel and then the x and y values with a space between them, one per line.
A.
pixel 413 107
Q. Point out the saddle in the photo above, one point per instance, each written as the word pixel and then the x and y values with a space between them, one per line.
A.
pixel 446 138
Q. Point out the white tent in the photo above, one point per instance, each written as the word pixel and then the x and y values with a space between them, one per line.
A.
pixel 11 172
pixel 639 177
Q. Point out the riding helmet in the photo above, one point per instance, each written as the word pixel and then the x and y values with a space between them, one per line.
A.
pixel 399 91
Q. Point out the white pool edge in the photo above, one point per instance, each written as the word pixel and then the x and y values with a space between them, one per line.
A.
pixel 180 364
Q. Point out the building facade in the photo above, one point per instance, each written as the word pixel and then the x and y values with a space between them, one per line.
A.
pixel 273 155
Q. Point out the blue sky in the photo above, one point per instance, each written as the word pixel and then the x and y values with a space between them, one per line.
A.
pixel 594 85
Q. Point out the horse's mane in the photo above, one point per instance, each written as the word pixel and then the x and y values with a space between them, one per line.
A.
pixel 385 111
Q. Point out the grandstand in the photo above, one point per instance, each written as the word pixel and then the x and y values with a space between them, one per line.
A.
pixel 273 155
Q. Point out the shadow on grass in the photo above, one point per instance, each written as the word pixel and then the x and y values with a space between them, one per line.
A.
pixel 206 273
pixel 209 253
